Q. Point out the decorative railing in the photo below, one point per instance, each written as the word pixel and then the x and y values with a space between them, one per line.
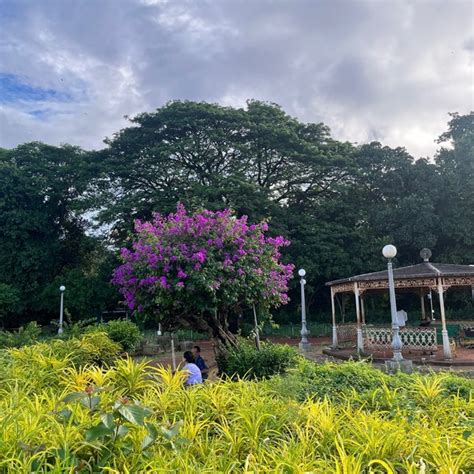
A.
pixel 418 339
pixel 346 333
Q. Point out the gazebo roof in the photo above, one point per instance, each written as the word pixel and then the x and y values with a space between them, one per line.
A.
pixel 421 270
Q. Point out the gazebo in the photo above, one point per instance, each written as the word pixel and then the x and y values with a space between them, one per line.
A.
pixel 421 279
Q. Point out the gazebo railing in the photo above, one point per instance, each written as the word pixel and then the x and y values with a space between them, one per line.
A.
pixel 346 333
pixel 416 339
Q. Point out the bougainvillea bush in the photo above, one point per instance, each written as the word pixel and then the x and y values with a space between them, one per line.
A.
pixel 199 270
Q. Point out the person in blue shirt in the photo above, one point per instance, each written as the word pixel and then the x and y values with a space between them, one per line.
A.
pixel 200 362
pixel 194 373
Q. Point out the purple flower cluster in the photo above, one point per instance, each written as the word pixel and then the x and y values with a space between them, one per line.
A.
pixel 192 260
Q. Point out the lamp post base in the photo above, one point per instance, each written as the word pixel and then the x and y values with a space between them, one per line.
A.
pixel 304 345
pixel 446 345
pixel 393 366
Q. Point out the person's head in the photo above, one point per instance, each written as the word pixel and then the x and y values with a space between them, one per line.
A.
pixel 188 357
pixel 196 351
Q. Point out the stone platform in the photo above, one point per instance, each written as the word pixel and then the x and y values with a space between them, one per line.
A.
pixel 463 358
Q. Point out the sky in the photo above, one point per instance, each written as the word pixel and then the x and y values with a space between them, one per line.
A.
pixel 385 70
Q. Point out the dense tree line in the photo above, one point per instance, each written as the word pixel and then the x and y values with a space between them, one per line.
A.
pixel 65 211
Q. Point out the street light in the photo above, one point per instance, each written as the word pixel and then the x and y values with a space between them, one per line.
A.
pixel 430 297
pixel 389 252
pixel 304 344
pixel 62 289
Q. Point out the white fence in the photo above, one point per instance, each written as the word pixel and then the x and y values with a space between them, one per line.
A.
pixel 413 339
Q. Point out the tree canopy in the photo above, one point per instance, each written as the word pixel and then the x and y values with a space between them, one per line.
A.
pixel 65 212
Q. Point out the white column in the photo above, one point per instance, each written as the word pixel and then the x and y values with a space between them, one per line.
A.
pixel 422 301
pixel 362 309
pixel 360 340
pixel 444 331
pixel 334 327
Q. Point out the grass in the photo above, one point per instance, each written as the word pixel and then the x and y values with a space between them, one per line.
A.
pixel 57 415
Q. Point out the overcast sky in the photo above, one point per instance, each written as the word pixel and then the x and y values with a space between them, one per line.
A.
pixel 387 70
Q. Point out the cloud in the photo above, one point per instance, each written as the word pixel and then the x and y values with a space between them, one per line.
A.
pixel 387 70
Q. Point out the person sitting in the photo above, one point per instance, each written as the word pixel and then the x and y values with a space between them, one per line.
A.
pixel 200 362
pixel 194 374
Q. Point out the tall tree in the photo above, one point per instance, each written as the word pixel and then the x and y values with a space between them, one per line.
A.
pixel 455 164
pixel 43 240
pixel 205 155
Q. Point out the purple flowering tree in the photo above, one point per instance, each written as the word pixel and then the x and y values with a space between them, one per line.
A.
pixel 199 270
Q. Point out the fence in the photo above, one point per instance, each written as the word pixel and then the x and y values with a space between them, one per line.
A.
pixel 380 338
pixel 294 330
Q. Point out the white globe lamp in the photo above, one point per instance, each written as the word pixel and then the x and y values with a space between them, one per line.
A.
pixel 389 251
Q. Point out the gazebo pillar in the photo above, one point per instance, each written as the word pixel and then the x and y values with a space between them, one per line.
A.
pixel 360 340
pixel 422 301
pixel 362 309
pixel 444 331
pixel 334 327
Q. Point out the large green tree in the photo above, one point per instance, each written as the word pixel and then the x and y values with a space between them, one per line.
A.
pixel 338 203
pixel 455 193
pixel 254 160
pixel 43 239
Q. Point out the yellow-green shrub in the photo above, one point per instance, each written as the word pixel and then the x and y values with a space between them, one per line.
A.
pixel 42 364
pixel 408 424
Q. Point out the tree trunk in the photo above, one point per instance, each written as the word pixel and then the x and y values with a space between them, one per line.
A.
pixel 214 325
pixel 257 335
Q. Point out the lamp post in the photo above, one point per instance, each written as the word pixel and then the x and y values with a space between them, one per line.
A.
pixel 62 289
pixel 304 344
pixel 389 252
pixel 430 297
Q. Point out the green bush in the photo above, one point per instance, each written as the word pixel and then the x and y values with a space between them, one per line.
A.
pixel 23 337
pixel 245 360
pixel 339 382
pixel 92 348
pixel 121 331
pixel 78 328
pixel 455 385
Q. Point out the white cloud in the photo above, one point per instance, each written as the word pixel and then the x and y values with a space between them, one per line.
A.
pixel 387 70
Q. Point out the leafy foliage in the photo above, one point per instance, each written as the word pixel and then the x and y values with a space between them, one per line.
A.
pixel 43 239
pixel 338 203
pixel 136 418
pixel 244 360
pixel 22 337
pixel 9 299
pixel 359 381
pixel 43 360
pixel 198 270
pixel 124 332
